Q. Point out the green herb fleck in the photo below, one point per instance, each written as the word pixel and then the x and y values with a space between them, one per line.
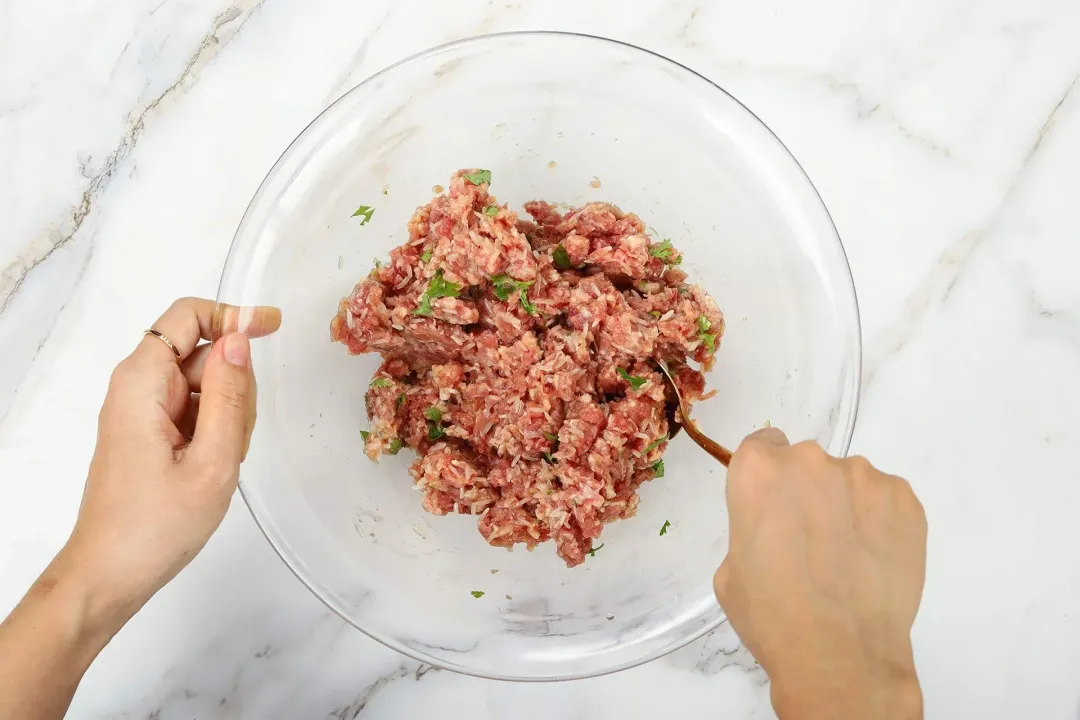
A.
pixel 364 211
pixel 365 434
pixel 554 440
pixel 677 260
pixel 655 444
pixel 439 287
pixel 477 593
pixel 434 431
pixel 658 468
pixel 426 257
pixel 561 258
pixel 380 382
pixel 491 210
pixel 664 527
pixel 425 306
pixel 400 400
pixel 395 446
pixel 478 177
pixel 433 414
pixel 378 263
pixel 655 314
pixel 504 286
pixel 707 338
pixel 635 381
pixel 662 250
pixel 592 552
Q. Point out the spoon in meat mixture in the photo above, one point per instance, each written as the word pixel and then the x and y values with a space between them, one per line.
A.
pixel 715 449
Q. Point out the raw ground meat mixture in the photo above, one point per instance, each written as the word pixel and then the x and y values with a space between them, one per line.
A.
pixel 519 361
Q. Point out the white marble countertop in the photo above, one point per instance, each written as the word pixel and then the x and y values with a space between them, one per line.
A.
pixel 944 136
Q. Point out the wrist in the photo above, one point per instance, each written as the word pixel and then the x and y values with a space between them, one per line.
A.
pixel 848 686
pixel 93 609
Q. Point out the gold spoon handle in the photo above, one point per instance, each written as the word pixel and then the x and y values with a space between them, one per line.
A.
pixel 715 449
pixel 712 447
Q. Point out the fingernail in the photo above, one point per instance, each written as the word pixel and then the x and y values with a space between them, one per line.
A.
pixel 237 349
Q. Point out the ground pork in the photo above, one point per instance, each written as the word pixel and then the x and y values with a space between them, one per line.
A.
pixel 519 361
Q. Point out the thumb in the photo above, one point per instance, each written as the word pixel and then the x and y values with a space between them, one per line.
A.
pixel 226 405
pixel 768 435
pixel 722 583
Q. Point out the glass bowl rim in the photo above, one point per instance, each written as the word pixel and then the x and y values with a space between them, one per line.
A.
pixel 393 643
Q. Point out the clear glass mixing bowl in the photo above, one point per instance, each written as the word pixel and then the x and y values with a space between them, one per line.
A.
pixel 566 118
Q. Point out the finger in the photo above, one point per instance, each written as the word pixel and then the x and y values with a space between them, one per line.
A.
pixel 192 368
pixel 226 408
pixel 768 435
pixel 184 323
pixel 721 582
pixel 189 417
pixel 190 319
pixel 752 465
pixel 253 320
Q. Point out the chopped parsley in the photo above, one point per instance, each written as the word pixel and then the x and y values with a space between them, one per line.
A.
pixel 635 381
pixel 426 257
pixel 658 468
pixel 364 211
pixel 707 338
pixel 554 440
pixel 434 416
pixel 655 444
pixel 395 446
pixel 561 258
pixel 365 434
pixel 478 177
pixel 663 250
pixel 439 287
pixel 477 593
pixel 592 552
pixel 504 286
pixel 664 527
pixel 378 263
pixel 380 382
pixel 655 314
pixel 491 210
pixel 400 400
